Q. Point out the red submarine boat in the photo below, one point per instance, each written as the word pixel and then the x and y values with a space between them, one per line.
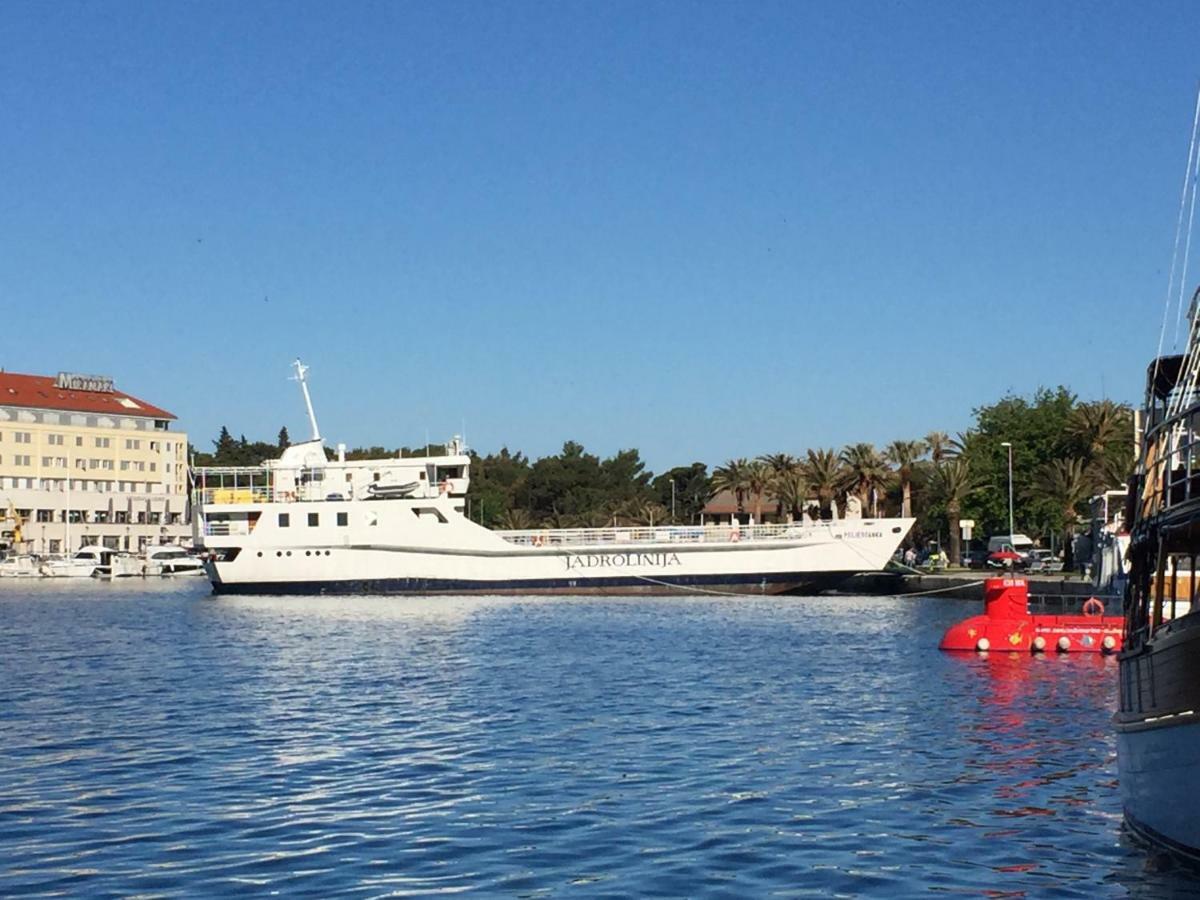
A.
pixel 1007 624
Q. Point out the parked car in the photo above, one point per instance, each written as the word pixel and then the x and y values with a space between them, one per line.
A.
pixel 975 559
pixel 1044 561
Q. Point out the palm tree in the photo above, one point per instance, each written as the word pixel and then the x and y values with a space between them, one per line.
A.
pixel 733 477
pixel 825 474
pixel 758 478
pixel 1104 431
pixel 937 443
pixel 782 464
pixel 965 443
pixel 951 483
pixel 1066 483
pixel 790 490
pixel 517 519
pixel 904 455
pixel 867 473
pixel 1099 425
pixel 644 513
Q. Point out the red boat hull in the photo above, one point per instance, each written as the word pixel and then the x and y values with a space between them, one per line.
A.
pixel 1007 624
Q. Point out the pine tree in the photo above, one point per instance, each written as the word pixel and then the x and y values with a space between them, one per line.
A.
pixel 284 440
pixel 226 448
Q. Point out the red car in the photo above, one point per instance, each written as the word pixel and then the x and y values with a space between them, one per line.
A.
pixel 1006 559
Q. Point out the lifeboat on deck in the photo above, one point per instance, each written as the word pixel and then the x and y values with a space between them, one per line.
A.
pixel 1007 624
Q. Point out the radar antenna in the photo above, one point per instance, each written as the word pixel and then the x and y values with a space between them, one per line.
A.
pixel 301 369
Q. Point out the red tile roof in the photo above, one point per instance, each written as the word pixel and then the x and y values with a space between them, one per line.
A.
pixel 42 392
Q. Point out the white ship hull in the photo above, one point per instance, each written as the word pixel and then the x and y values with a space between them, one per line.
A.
pixel 423 547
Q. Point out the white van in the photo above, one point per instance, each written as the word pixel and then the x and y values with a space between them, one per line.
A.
pixel 1017 542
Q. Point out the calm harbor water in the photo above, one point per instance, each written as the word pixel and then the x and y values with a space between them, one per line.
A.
pixel 159 741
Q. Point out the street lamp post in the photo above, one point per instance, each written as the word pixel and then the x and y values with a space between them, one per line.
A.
pixel 1011 530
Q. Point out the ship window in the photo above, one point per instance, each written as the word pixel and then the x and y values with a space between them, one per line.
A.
pixel 314 519
pixel 285 520
pixel 343 519
pixel 430 512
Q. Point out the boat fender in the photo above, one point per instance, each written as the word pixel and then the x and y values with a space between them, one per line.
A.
pixel 982 645
pixel 1093 607
pixel 538 540
pixel 1064 644
pixel 735 535
pixel 1038 645
pixel 1109 643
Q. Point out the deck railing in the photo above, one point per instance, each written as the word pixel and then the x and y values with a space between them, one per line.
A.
pixel 1171 464
pixel 226 527
pixel 669 534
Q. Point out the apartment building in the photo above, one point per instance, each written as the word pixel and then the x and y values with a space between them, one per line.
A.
pixel 82 462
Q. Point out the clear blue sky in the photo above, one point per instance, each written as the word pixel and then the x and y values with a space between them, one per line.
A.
pixel 701 229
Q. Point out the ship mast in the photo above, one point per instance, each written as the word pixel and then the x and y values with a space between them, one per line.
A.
pixel 312 417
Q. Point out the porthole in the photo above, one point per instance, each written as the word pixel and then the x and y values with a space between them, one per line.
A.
pixel 289 553
pixel 260 553
pixel 308 553
pixel 279 553
pixel 326 552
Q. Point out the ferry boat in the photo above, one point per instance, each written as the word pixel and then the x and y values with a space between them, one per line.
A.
pixel 306 524
pixel 1158 723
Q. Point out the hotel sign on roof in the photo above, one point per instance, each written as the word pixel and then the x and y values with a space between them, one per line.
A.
pixel 72 381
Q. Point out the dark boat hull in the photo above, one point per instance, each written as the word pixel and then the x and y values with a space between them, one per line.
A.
pixel 1158 737
pixel 775 583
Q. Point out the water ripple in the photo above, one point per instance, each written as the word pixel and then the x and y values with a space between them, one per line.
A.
pixel 158 741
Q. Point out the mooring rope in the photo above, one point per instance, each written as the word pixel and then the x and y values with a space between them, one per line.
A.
pixel 694 589
pixel 952 587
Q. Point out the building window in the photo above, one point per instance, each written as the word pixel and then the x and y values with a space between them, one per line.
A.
pixel 121 517
pixel 56 440
pixel 21 460
pixel 22 437
pixel 107 464
pixel 100 517
pixel 314 519
pixel 45 515
pixel 78 441
pixel 153 467
pixel 102 442
pixel 124 465
pixel 132 444
pixel 46 461
pixel 284 520
pixel 343 519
